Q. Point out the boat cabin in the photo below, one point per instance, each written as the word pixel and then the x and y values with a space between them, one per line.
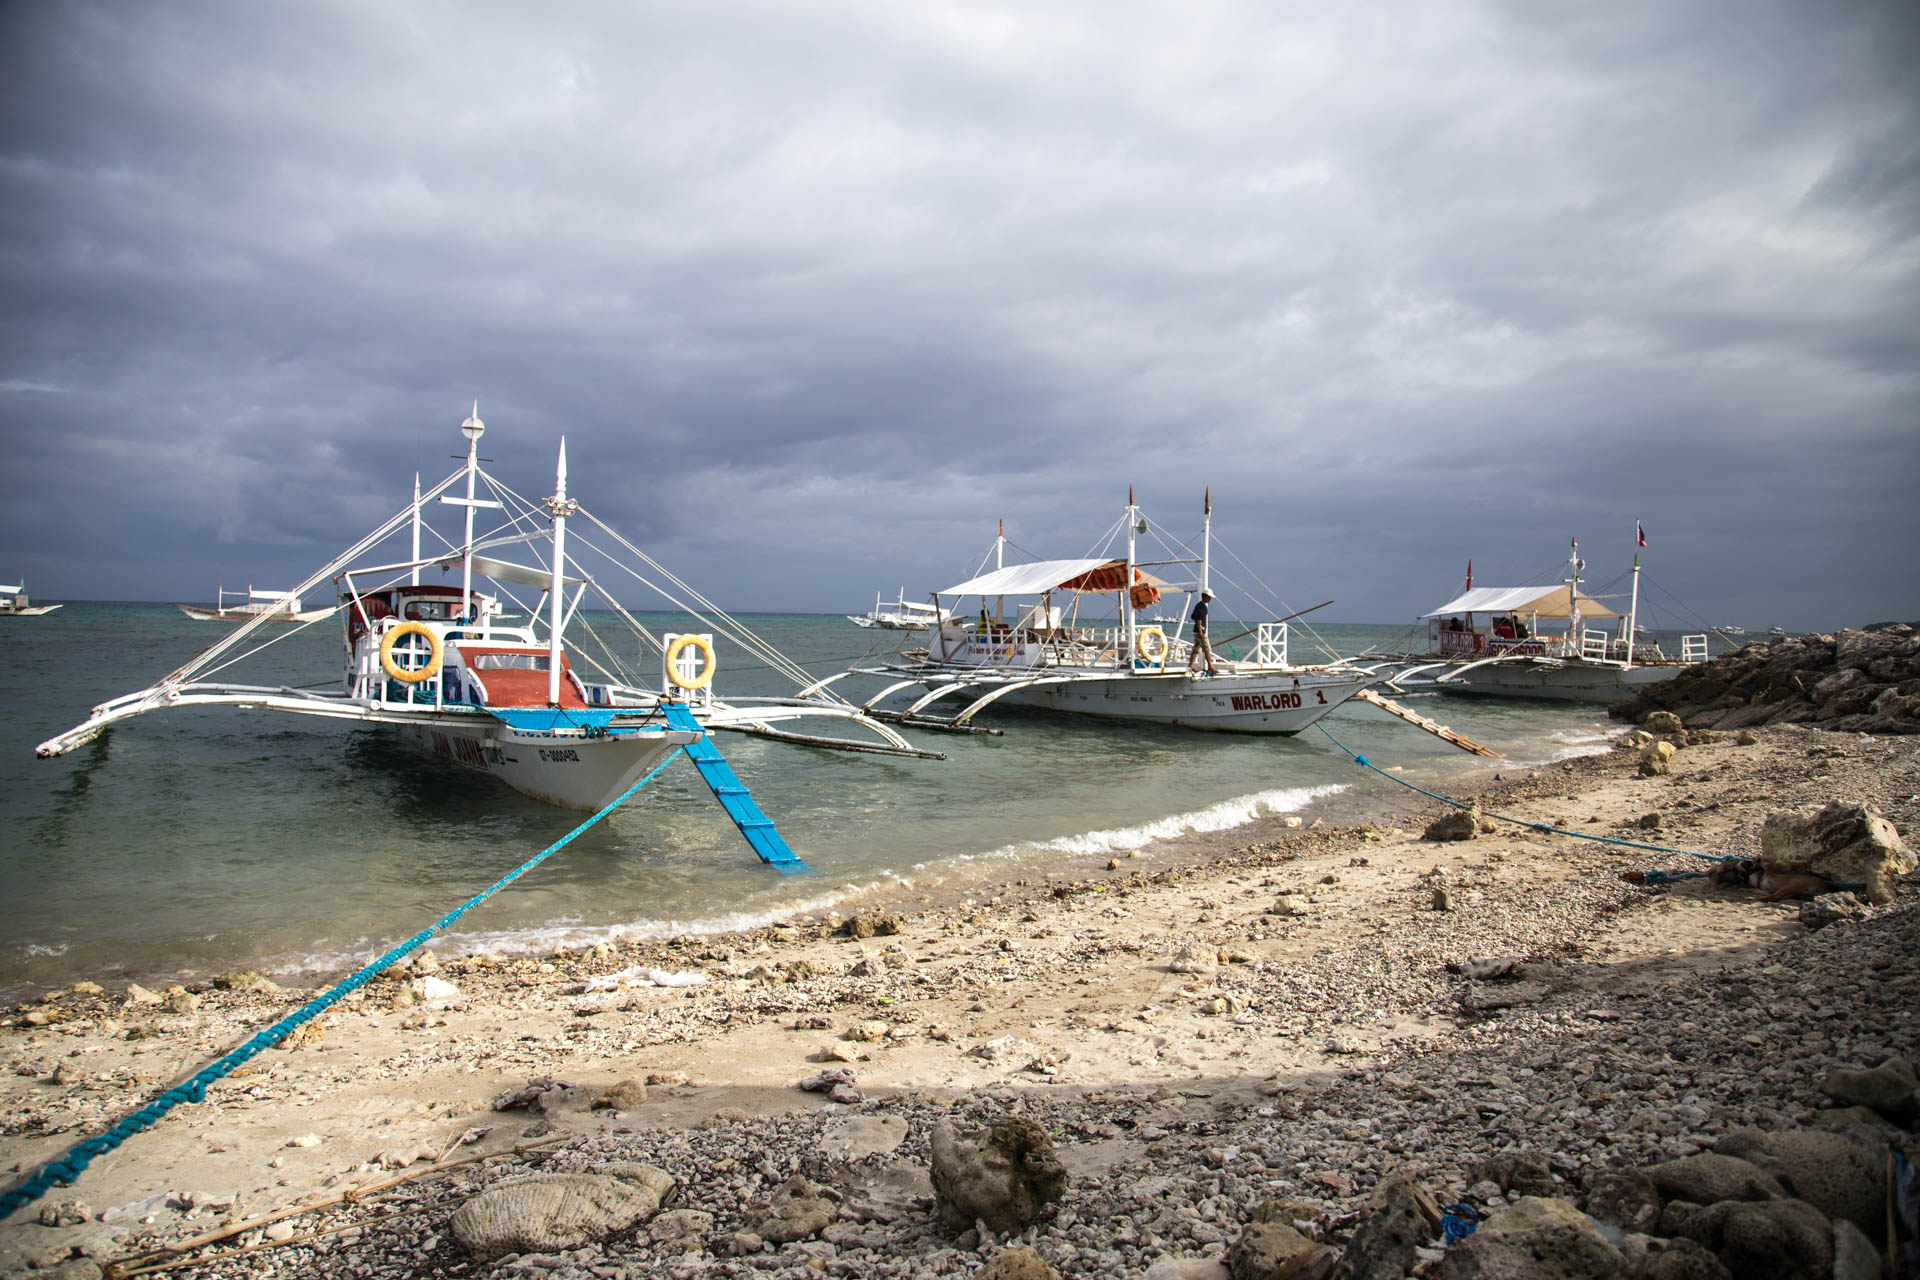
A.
pixel 1487 622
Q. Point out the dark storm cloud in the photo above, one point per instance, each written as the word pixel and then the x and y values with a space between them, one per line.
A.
pixel 819 295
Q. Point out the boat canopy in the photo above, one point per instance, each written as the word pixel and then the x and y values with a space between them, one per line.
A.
pixel 1544 602
pixel 507 571
pixel 1051 575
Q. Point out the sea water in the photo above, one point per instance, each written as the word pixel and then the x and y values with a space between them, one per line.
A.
pixel 196 840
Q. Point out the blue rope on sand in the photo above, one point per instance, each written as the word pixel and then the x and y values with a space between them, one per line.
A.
pixel 1365 763
pixel 69 1167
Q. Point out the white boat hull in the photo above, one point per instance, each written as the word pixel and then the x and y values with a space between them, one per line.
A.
pixel 1558 680
pixel 571 772
pixel 31 611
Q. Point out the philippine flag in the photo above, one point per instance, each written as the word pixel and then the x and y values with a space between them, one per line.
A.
pixel 1639 534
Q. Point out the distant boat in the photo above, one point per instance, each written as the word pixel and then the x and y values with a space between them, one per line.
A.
pixel 1731 631
pixel 1513 656
pixel 1776 631
pixel 14 603
pixel 901 615
pixel 275 606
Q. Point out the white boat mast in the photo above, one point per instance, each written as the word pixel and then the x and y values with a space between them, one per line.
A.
pixel 1633 606
pixel 560 507
pixel 415 579
pixel 1206 541
pixel 472 428
pixel 1126 585
pixel 1574 565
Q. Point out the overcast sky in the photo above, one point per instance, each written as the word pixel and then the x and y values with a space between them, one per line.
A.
pixel 818 292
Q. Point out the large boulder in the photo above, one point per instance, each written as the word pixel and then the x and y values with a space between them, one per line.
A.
pixel 1891 1089
pixel 1844 842
pixel 1762 1240
pixel 1004 1174
pixel 554 1212
pixel 1384 1245
pixel 1275 1251
pixel 1710 1177
pixel 1538 1238
pixel 1826 1170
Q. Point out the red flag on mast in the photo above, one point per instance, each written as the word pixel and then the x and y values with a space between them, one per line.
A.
pixel 1469 573
pixel 1639 534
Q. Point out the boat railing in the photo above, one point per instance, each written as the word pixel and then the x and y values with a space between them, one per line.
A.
pixel 1270 645
pixel 1693 648
pixel 1594 643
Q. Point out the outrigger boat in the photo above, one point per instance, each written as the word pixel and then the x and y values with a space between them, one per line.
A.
pixel 897 615
pixel 1044 657
pixel 14 604
pixel 440 665
pixel 1535 643
pixel 275 606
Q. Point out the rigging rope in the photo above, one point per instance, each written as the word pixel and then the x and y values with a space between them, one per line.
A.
pixel 68 1168
pixel 1549 828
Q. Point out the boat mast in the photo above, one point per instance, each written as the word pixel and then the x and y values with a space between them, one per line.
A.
pixel 560 507
pixel 1206 541
pixel 1633 606
pixel 1574 565
pixel 1126 585
pixel 472 428
pixel 1000 562
pixel 415 579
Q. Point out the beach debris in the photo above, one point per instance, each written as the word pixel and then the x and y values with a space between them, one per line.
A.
pixel 139 995
pixel 677 1228
pixel 868 1031
pixel 623 1095
pixel 1849 843
pixel 432 991
pixel 1483 969
pixel 1657 760
pixel 1831 908
pixel 869 925
pixel 307 1033
pixel 836 1082
pixel 305 1140
pixel 1461 824
pixel 1195 957
pixel 524 1095
pixel 1003 1173
pixel 643 976
pixel 797 1210
pixel 1020 1262
pixel 994 1050
pixel 554 1212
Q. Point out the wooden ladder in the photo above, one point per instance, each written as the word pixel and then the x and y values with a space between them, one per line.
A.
pixel 1433 727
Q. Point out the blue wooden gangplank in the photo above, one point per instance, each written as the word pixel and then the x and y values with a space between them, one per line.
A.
pixel 733 797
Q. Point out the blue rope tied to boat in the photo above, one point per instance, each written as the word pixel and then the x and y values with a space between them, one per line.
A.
pixel 1546 827
pixel 68 1168
pixel 1459 1221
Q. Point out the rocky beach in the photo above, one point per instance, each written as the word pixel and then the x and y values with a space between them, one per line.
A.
pixel 1319 1050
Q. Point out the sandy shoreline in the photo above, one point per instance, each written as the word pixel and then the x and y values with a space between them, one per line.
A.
pixel 1053 994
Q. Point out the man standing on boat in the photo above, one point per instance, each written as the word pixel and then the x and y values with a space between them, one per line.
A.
pixel 1200 646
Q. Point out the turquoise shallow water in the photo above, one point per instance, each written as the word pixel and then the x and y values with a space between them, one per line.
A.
pixel 192 841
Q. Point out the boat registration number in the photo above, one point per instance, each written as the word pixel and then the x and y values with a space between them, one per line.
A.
pixel 560 754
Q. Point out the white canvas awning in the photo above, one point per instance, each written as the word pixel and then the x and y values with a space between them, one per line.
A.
pixel 507 571
pixel 1544 602
pixel 1027 579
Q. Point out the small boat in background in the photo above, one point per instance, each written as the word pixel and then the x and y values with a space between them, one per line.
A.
pixel 274 606
pixel 14 603
pixel 1512 655
pixel 901 615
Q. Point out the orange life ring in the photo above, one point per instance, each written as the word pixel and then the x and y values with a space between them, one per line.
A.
pixel 404 674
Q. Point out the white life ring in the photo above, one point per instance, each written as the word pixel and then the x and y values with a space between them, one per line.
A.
pixel 1150 643
pixel 405 674
pixel 680 646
